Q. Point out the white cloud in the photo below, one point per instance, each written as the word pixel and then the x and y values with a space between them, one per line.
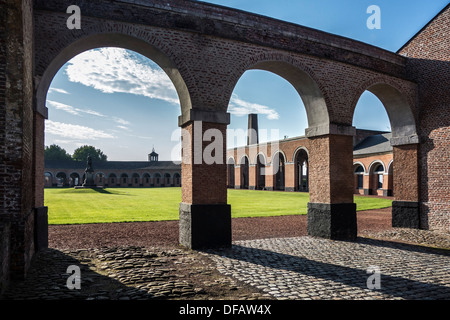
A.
pixel 115 70
pixel 240 107
pixel 64 107
pixel 75 132
pixel 124 128
pixel 121 121
pixel 58 90
pixel 80 112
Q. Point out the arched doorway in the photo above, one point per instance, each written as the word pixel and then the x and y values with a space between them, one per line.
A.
pixel 260 172
pixel 244 166
pixel 48 179
pixel 278 165
pixel 230 173
pixel 403 143
pixel 359 178
pixel 61 179
pixel 75 179
pixel 301 171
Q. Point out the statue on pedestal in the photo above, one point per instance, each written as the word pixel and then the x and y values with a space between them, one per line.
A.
pixel 89 174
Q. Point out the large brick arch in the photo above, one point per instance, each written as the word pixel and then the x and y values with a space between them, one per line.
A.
pixel 399 102
pixel 298 74
pixel 106 35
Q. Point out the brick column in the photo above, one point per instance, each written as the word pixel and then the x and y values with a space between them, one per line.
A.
pixel 331 211
pixel 405 208
pixel 253 177
pixel 269 176
pixel 237 177
pixel 205 216
pixel 289 178
pixel 40 211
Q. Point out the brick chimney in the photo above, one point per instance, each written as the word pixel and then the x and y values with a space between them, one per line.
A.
pixel 252 134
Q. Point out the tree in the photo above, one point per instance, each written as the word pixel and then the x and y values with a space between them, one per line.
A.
pixel 81 154
pixel 55 152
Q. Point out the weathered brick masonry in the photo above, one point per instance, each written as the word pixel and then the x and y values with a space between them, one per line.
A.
pixel 205 49
pixel 428 64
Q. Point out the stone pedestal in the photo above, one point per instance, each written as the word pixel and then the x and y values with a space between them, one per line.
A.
pixel 205 225
pixel 41 228
pixel 89 182
pixel 405 214
pixel 332 221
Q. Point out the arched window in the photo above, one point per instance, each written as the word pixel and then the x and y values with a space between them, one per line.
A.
pixel 260 172
pixel 378 172
pixel 359 172
pixel 157 178
pixel 124 177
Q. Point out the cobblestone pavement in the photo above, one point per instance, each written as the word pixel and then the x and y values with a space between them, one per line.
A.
pixel 279 268
pixel 312 268
pixel 126 273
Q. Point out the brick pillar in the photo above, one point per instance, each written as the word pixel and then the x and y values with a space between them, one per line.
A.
pixel 289 178
pixel 253 177
pixel 269 177
pixel 16 138
pixel 237 177
pixel 331 211
pixel 405 208
pixel 40 211
pixel 205 216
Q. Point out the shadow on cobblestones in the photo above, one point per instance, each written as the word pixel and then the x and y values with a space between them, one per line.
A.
pixel 404 246
pixel 48 279
pixel 405 273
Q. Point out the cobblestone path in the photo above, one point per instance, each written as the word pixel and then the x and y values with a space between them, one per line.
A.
pixel 312 268
pixel 278 268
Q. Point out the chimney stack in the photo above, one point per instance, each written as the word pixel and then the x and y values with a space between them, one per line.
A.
pixel 252 134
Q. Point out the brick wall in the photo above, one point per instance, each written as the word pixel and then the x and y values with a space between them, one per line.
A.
pixel 428 63
pixel 16 133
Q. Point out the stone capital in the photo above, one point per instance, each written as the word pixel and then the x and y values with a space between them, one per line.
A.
pixel 331 128
pixel 205 116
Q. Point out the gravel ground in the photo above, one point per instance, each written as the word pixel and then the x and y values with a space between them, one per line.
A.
pixel 165 233
pixel 372 224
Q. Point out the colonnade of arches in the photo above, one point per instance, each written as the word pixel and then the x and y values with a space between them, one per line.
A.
pixel 277 174
pixel 329 132
pixel 376 178
pixel 113 179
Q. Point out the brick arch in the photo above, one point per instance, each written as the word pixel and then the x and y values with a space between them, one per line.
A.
pixel 276 154
pixel 232 159
pixel 375 163
pixel 301 77
pixel 109 35
pixel 399 105
pixel 260 153
pixel 241 159
pixel 294 156
pixel 359 163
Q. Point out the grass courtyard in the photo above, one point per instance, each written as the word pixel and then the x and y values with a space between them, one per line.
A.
pixel 77 206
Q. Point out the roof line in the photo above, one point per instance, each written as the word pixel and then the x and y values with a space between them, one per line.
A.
pixel 423 28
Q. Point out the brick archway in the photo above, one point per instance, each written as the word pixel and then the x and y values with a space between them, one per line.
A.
pixel 399 103
pixel 299 76
pixel 205 49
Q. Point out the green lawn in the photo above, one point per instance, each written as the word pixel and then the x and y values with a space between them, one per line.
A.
pixel 74 206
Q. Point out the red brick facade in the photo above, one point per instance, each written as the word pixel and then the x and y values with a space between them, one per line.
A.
pixel 429 65
pixel 291 150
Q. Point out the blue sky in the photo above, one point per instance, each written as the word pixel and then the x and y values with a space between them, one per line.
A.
pixel 124 104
